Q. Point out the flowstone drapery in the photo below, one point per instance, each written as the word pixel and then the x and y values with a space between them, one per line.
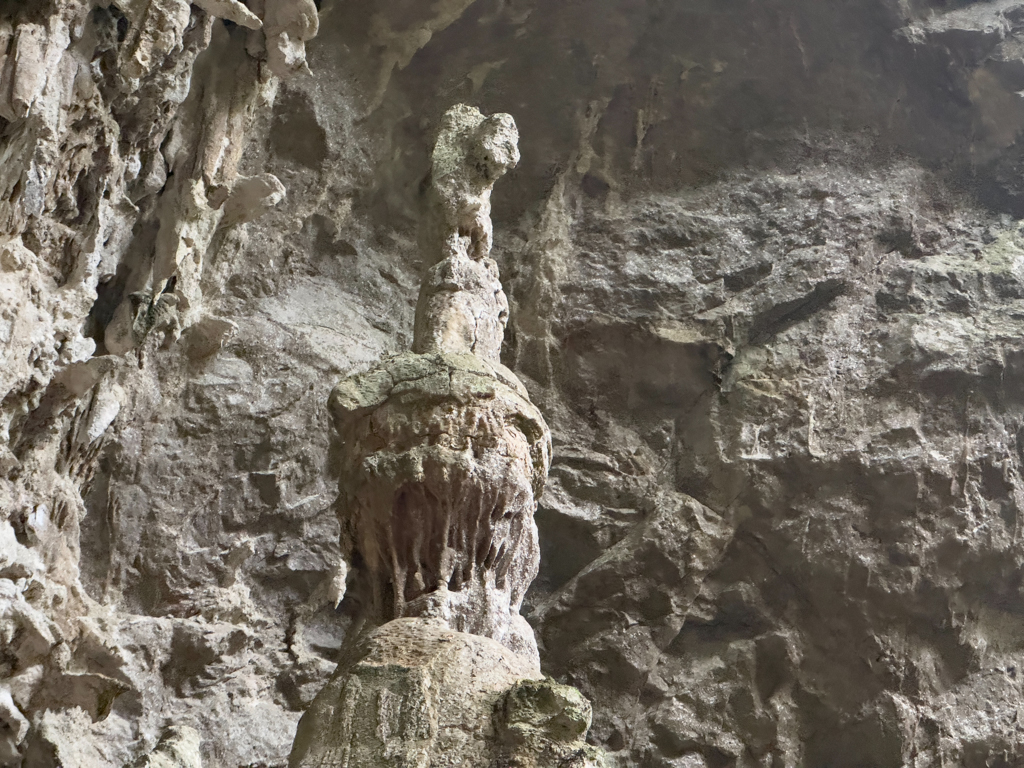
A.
pixel 444 455
pixel 443 459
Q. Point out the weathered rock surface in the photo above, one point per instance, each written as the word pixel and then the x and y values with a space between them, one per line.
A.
pixel 764 270
pixel 117 175
pixel 178 748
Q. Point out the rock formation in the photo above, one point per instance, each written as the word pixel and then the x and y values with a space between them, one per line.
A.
pixel 108 206
pixel 444 455
pixel 178 748
pixel 763 262
pixel 416 695
pixel 443 458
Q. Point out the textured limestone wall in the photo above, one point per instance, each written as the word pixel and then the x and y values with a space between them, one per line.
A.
pixel 765 279
pixel 123 128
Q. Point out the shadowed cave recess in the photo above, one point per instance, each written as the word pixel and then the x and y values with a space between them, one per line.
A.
pixel 740 331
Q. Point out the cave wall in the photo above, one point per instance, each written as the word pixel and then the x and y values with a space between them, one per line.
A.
pixel 767 287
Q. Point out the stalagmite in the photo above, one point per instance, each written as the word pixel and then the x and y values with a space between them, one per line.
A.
pixel 443 459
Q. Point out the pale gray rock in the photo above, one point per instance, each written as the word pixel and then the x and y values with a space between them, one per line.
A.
pixel 288 25
pixel 471 153
pixel 232 10
pixel 178 748
pixel 89 93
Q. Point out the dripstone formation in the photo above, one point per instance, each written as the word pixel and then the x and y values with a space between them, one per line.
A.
pixel 442 462
pixel 120 128
pixel 444 454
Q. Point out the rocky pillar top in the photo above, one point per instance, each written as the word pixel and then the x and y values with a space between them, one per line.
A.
pixel 462 308
pixel 443 455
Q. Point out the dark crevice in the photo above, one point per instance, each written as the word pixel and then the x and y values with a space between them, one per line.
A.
pixel 774 321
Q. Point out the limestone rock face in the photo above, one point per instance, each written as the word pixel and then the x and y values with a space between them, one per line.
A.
pixel 178 748
pixel 108 206
pixel 763 270
pixel 415 694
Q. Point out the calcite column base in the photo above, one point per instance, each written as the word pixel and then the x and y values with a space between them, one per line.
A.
pixel 416 694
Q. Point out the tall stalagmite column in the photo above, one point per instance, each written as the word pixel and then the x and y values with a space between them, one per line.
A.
pixel 444 457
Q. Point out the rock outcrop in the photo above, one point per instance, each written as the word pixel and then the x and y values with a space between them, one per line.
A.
pixel 117 175
pixel 178 748
pixel 416 694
